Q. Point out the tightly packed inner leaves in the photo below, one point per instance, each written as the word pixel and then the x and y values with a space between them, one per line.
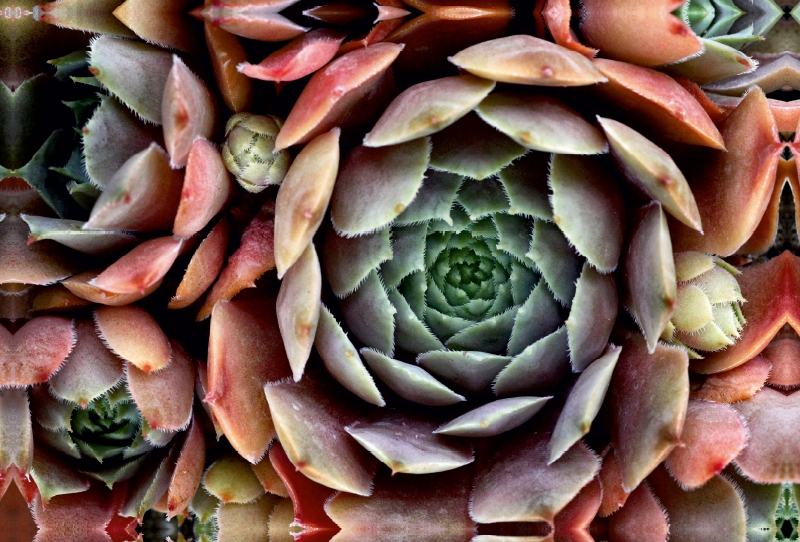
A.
pixel 483 271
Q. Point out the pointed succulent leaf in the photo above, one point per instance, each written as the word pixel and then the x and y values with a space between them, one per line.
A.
pixel 712 512
pixel 470 371
pixel 376 185
pixel 652 169
pixel 647 400
pixel 141 268
pixel 540 366
pixel 301 57
pixel 588 208
pixel 541 123
pixel 770 455
pixel 614 494
pixel 717 62
pixel 269 477
pixel 713 434
pixel 134 335
pixel 264 24
pixel 557 16
pixel 370 314
pixel 748 181
pixel 592 316
pixel 649 35
pixel 245 352
pixel 16 438
pixel 525 184
pixel 166 23
pixel 35 351
pixel 517 484
pixel 334 90
pixel 165 397
pixel 188 112
pixel 143 194
pixel 659 101
pixel 150 484
pixel 427 108
pixel 54 477
pixel 230 479
pixel 650 273
pixel 310 417
pixel 538 316
pixel 254 257
pixel 739 383
pixel 51 413
pixel 298 308
pixel 207 189
pixel 583 403
pixel 404 510
pixel 555 258
pixel 408 444
pixel 81 286
pixel 113 61
pixel 303 198
pixel 89 371
pixel 410 382
pixel 111 136
pixel 473 148
pixel 203 268
pixel 40 264
pixel 348 261
pixel 94 16
pixel 342 361
pixel 188 470
pixel 57 297
pixel 494 418
pixel 226 52
pixel 71 233
pixel 527 60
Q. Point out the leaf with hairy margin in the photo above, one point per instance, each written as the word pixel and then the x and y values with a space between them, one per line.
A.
pixel 230 479
pixel 473 372
pixel 540 366
pixel 349 261
pixel 494 418
pixel 555 258
pixel 409 381
pixel 370 315
pixel 134 335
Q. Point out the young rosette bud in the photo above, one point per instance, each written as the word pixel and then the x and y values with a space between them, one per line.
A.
pixel 249 151
pixel 708 314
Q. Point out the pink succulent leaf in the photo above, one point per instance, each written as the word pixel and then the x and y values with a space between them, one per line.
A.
pixel 558 17
pixel 656 101
pixel 204 267
pixel 748 182
pixel 652 169
pixel 188 470
pixel 111 136
pixel 141 268
pixel 591 317
pixel 39 263
pixel 771 452
pixel 334 90
pixel 403 510
pixel 36 351
pixel 231 480
pixel 517 484
pixel 165 397
pixel 737 384
pixel 254 257
pixel 647 403
pixel 89 371
pixel 245 352
pixel 302 56
pixel 188 112
pixel 303 198
pixel 572 523
pixel 93 16
pixel 298 309
pixel 650 272
pixel 134 335
pixel 16 437
pixel 207 189
pixel 713 434
pixel 310 417
pixel 783 354
pixel 614 494
pixel 82 286
pixel 84 516
pixel 113 61
pixel 712 512
pixel 269 477
pixel 227 52
pixel 409 444
pixel 57 298
pixel 259 22
pixel 308 497
pixel 50 412
pixel 527 60
pixel 642 519
pixel 143 195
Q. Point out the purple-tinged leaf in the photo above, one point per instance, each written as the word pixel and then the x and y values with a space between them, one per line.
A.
pixel 473 372
pixel 540 366
pixel 494 418
pixel 592 316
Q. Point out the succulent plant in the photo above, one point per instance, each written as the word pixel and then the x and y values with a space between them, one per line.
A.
pixel 412 283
